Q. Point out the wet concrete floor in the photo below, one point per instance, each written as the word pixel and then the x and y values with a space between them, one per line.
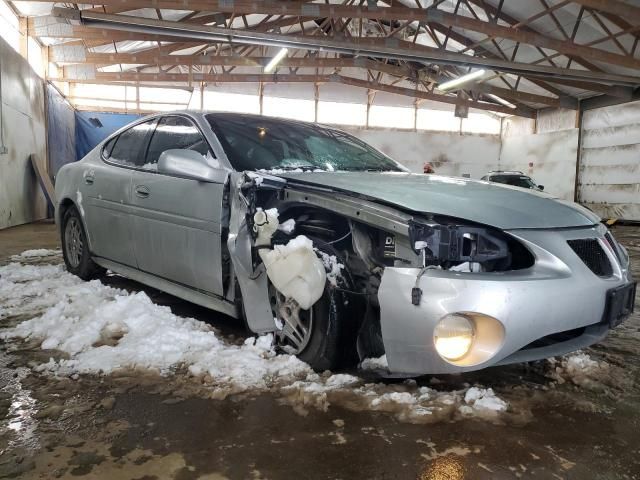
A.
pixel 141 426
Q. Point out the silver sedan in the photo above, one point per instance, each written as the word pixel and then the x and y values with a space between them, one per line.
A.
pixel 309 234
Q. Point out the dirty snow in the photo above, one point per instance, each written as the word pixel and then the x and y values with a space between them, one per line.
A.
pixel 379 363
pixel 580 369
pixel 36 253
pixel 104 330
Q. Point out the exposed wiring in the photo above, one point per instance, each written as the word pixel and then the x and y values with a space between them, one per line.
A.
pixel 340 239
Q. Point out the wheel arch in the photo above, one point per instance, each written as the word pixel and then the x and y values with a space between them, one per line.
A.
pixel 63 207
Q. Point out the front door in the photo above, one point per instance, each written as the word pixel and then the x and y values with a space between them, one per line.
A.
pixel 104 198
pixel 176 221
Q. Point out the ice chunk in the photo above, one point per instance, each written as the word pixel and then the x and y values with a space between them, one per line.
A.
pixel 483 399
pixel 379 363
pixel 332 267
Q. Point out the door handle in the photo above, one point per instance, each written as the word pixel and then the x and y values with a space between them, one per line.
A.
pixel 142 191
pixel 89 180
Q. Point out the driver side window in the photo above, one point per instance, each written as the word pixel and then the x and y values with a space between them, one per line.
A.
pixel 174 133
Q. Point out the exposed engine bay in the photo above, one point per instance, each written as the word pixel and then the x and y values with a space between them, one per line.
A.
pixel 287 227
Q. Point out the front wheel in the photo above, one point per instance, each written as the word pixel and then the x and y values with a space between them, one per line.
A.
pixel 75 248
pixel 322 336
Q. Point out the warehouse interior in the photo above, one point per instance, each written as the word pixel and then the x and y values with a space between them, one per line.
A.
pixel 549 89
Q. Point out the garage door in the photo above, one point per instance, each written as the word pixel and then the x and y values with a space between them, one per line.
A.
pixel 609 174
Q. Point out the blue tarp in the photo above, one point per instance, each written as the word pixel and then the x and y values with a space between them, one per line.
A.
pixel 61 131
pixel 93 127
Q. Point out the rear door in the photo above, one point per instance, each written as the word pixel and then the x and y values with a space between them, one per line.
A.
pixel 107 186
pixel 176 221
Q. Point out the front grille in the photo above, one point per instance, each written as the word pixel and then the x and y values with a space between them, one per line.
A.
pixel 591 253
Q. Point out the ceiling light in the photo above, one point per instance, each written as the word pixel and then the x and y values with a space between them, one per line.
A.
pixel 461 80
pixel 276 60
pixel 501 100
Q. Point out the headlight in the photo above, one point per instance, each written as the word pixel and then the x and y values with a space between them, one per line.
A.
pixel 453 336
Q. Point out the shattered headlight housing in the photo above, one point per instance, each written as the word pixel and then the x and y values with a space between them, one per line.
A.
pixel 456 243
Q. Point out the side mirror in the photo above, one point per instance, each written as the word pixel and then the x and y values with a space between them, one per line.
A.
pixel 186 164
pixel 540 187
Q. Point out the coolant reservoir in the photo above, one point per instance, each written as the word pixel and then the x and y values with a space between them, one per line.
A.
pixel 296 271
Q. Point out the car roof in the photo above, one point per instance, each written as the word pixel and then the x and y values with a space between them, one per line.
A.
pixel 506 172
pixel 220 114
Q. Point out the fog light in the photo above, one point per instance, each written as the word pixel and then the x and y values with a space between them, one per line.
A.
pixel 453 336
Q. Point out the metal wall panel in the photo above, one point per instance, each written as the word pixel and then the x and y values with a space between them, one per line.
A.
pixel 23 130
pixel 609 173
pixel 549 158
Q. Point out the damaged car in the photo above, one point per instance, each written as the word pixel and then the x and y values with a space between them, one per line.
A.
pixel 307 233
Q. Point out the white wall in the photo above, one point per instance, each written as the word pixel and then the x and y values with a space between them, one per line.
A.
pixel 23 131
pixel 609 176
pixel 548 158
pixel 545 149
pixel 449 153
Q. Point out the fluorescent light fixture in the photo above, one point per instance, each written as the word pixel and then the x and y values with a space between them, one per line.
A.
pixel 276 60
pixel 456 82
pixel 501 100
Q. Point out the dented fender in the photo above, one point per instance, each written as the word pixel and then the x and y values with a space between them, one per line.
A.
pixel 253 284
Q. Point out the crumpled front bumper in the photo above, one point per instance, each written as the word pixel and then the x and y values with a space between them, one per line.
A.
pixel 558 293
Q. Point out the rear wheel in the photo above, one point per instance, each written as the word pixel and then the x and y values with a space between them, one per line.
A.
pixel 323 335
pixel 75 248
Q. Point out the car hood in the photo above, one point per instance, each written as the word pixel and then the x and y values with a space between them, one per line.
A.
pixel 500 206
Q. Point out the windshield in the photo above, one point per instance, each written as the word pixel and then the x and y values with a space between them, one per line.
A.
pixel 259 143
pixel 515 180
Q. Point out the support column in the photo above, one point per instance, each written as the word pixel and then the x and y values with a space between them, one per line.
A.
pixel 316 92
pixel 261 96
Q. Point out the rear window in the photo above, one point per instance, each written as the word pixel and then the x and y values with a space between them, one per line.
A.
pixel 515 180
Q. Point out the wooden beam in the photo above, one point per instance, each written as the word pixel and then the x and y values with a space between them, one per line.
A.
pixel 393 13
pixel 514 23
pixel 308 62
pixel 623 10
pixel 379 48
pixel 23 26
pixel 59 54
pixel 292 78
pixel 452 100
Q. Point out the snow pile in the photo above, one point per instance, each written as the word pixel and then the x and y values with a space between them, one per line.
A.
pixel 288 226
pixel 580 369
pixel 104 330
pixel 258 179
pixel 37 253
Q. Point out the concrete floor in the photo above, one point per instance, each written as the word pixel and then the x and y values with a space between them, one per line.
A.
pixel 140 426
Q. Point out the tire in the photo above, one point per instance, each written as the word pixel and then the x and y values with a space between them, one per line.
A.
pixel 331 343
pixel 75 248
